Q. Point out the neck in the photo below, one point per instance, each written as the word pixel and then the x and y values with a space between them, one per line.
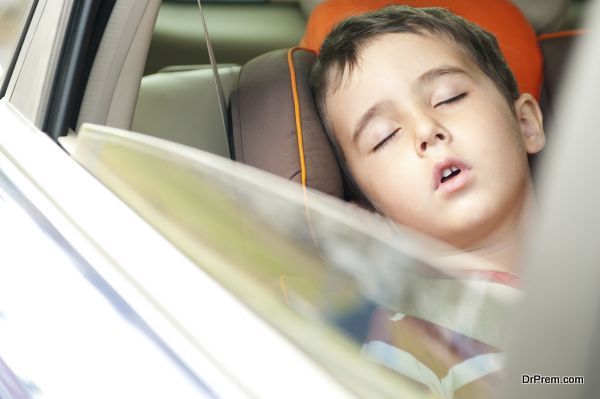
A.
pixel 504 248
pixel 500 250
pixel 505 255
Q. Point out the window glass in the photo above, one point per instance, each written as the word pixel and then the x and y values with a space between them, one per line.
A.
pixel 12 17
pixel 359 295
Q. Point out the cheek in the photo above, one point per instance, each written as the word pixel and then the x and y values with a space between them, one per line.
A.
pixel 494 134
pixel 508 149
pixel 394 188
pixel 498 154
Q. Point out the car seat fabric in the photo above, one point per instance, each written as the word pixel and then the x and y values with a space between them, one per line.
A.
pixel 516 37
pixel 179 103
pixel 275 123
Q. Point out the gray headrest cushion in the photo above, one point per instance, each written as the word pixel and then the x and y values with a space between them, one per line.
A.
pixel 264 124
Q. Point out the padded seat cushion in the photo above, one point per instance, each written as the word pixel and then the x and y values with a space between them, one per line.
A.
pixel 180 104
pixel 516 37
pixel 275 122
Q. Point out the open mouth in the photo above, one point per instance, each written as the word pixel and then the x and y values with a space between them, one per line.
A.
pixel 449 173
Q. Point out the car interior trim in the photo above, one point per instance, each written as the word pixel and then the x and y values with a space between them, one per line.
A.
pixel 113 84
pixel 86 26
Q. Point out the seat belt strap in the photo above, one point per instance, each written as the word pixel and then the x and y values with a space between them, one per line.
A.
pixel 218 85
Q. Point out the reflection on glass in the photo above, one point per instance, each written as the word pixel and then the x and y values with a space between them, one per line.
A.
pixel 344 285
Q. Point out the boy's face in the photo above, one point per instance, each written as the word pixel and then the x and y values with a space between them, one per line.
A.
pixel 430 139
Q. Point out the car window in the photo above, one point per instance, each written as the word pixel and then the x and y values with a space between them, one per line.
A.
pixel 12 18
pixel 357 294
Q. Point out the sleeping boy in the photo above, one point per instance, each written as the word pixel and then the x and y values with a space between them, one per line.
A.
pixel 428 123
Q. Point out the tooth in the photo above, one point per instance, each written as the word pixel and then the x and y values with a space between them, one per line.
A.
pixel 454 169
pixel 447 172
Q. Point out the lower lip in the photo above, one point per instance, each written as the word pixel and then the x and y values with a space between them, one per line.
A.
pixel 456 183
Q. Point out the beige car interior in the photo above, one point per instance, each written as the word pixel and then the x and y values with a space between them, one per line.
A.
pixel 180 104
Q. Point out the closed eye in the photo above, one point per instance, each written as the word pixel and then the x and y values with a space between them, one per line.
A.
pixel 451 100
pixel 385 140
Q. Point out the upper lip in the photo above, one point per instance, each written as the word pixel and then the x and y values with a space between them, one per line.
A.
pixel 439 167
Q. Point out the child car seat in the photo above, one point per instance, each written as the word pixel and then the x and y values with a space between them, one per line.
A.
pixel 274 120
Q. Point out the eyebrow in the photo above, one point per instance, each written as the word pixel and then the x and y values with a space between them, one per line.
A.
pixel 438 72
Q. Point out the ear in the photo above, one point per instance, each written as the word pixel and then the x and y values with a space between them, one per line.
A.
pixel 530 120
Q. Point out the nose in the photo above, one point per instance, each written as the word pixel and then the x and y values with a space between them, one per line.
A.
pixel 428 133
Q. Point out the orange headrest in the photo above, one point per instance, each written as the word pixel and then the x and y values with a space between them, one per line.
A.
pixel 517 39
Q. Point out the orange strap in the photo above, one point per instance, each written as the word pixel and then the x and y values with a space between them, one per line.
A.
pixel 300 139
pixel 297 114
pixel 566 33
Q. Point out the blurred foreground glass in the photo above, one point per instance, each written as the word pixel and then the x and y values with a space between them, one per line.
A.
pixel 363 297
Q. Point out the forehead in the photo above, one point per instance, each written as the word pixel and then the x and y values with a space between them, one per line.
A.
pixel 407 55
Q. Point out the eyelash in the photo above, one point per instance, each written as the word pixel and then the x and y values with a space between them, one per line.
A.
pixel 385 140
pixel 392 134
pixel 452 100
